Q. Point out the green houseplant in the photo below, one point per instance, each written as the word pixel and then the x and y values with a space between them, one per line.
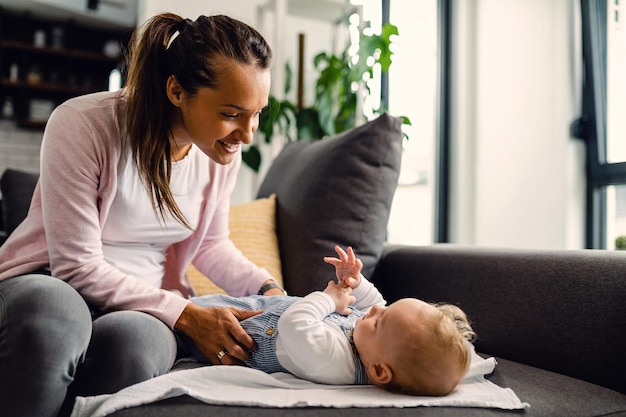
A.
pixel 341 77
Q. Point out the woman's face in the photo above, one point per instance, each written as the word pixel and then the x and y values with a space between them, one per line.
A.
pixel 219 120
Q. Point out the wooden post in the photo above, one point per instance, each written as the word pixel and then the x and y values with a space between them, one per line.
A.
pixel 300 101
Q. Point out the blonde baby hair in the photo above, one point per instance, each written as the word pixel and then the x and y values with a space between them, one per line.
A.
pixel 436 355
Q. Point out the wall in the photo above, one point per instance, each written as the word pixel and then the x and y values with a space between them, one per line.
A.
pixel 517 175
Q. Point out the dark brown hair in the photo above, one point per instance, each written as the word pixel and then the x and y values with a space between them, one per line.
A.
pixel 193 57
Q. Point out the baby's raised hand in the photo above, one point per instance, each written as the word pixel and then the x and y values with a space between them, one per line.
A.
pixel 347 267
pixel 342 297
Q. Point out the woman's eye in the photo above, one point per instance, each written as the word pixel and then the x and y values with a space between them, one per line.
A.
pixel 229 116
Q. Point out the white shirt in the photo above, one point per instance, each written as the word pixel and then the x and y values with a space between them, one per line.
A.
pixel 316 350
pixel 134 237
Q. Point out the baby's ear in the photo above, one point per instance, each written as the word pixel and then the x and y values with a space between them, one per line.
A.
pixel 380 373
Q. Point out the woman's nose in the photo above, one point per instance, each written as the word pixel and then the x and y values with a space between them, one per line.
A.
pixel 247 129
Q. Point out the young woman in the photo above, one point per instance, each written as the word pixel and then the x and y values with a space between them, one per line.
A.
pixel 134 186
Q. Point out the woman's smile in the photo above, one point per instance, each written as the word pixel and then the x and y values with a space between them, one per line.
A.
pixel 230 147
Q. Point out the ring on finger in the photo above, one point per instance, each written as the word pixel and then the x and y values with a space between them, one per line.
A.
pixel 221 354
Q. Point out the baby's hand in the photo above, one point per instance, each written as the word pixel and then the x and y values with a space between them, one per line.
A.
pixel 341 296
pixel 348 267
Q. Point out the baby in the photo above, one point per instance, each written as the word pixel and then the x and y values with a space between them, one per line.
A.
pixel 347 334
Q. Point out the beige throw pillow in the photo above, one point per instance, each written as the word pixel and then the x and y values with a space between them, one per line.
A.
pixel 253 230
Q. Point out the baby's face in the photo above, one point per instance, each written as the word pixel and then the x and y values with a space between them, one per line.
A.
pixel 378 336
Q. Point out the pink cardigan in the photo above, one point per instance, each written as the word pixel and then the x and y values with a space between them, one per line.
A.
pixel 80 153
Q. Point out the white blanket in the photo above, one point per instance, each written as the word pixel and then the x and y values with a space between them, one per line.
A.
pixel 236 385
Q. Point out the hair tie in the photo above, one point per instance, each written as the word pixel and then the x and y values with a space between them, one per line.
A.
pixel 174 36
pixel 179 27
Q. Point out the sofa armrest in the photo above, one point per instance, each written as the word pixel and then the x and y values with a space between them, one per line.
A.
pixel 559 310
pixel 17 188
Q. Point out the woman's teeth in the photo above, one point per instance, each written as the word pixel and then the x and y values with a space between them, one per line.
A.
pixel 229 145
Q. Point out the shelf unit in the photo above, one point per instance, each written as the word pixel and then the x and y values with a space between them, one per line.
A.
pixel 51 72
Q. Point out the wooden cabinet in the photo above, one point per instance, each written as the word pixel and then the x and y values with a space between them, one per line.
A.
pixel 45 62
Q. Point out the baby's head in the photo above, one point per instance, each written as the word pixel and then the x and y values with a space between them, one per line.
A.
pixel 413 347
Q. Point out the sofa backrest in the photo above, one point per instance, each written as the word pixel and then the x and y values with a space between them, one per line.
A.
pixel 17 189
pixel 560 310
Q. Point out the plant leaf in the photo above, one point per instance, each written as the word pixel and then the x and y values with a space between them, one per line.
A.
pixel 252 158
pixel 335 104
pixel 308 123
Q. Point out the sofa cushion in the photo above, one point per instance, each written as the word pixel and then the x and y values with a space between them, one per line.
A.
pixel 17 189
pixel 335 191
pixel 253 230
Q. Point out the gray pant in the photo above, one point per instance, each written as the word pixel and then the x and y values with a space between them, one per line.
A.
pixel 50 349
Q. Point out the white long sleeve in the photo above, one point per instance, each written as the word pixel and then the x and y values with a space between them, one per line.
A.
pixel 367 295
pixel 316 350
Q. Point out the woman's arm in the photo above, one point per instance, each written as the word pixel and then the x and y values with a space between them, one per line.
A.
pixel 217 257
pixel 79 158
pixel 78 175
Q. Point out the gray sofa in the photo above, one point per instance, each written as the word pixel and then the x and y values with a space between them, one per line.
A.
pixel 555 320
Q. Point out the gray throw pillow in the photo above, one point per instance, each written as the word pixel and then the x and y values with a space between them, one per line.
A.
pixel 335 191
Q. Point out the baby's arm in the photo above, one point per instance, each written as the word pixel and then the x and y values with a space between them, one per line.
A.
pixel 314 350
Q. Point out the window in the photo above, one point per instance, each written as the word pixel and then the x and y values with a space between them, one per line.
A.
pixel 412 93
pixel 410 89
pixel 616 216
pixel 616 82
pixel 603 125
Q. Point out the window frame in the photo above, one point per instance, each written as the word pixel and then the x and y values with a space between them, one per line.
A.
pixel 442 163
pixel 591 127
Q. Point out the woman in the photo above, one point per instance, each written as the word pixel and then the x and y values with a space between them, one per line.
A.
pixel 134 186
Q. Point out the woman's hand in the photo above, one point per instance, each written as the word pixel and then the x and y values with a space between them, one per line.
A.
pixel 342 297
pixel 347 267
pixel 217 329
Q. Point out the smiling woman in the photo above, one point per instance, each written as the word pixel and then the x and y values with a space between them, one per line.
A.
pixel 135 185
pixel 218 120
pixel 193 62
